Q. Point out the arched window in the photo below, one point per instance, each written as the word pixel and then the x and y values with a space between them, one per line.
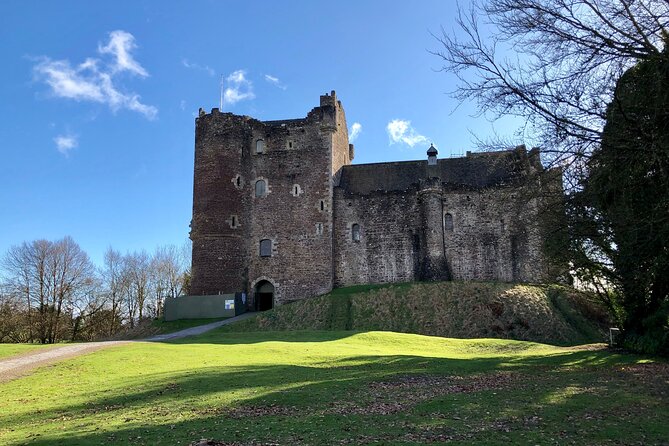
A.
pixel 355 232
pixel 261 188
pixel 448 222
pixel 265 248
pixel 260 146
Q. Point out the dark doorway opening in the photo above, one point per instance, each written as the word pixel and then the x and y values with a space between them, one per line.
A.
pixel 264 296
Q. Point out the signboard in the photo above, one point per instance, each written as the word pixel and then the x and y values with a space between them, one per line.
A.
pixel 229 304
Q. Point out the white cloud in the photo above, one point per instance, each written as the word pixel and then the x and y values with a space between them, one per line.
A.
pixel 238 88
pixel 400 131
pixel 88 82
pixel 206 68
pixel 65 143
pixel 274 81
pixel 120 45
pixel 356 129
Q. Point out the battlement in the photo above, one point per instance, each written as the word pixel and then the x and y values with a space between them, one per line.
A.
pixel 316 114
pixel 330 100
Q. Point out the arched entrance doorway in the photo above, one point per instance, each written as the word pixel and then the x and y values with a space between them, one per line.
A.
pixel 264 296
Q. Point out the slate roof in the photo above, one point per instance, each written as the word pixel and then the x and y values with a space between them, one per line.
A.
pixel 476 170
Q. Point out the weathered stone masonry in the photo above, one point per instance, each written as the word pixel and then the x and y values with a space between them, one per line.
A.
pixel 327 223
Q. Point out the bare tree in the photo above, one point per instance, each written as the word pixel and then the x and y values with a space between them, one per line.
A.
pixel 589 78
pixel 112 275
pixel 138 270
pixel 554 63
pixel 49 276
pixel 168 270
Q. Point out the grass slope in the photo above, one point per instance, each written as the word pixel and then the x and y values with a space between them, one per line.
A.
pixel 550 314
pixel 339 388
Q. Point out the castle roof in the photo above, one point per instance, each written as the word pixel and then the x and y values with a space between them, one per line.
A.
pixel 475 171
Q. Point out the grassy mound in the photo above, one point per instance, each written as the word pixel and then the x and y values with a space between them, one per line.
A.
pixel 549 314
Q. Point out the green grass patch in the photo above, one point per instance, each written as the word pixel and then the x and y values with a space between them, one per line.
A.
pixel 339 387
pixel 7 350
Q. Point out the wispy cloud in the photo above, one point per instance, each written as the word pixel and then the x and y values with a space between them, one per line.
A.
pixel 65 143
pixel 89 81
pixel 120 45
pixel 355 131
pixel 238 88
pixel 400 131
pixel 275 81
pixel 194 66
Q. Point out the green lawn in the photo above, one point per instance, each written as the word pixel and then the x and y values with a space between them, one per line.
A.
pixel 7 350
pixel 321 388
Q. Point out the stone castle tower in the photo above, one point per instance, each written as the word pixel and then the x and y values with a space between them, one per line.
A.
pixel 280 214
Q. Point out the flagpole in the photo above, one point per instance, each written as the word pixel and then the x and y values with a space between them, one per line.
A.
pixel 221 108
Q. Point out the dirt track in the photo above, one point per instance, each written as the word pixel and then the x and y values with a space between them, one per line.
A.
pixel 17 366
pixel 20 365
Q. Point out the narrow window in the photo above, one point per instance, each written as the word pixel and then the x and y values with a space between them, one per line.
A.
pixel 234 221
pixel 261 188
pixel 355 232
pixel 319 228
pixel 239 181
pixel 290 144
pixel 322 205
pixel 296 190
pixel 448 222
pixel 265 248
pixel 260 146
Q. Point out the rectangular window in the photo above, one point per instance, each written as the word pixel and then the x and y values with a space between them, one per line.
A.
pixel 265 248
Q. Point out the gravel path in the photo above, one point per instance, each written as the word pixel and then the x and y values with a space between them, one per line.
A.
pixel 17 366
pixel 199 329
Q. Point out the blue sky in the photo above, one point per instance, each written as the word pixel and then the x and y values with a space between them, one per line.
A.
pixel 99 99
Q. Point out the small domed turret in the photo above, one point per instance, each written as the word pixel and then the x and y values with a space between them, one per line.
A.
pixel 432 156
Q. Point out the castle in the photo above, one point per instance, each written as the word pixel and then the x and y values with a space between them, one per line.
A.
pixel 281 214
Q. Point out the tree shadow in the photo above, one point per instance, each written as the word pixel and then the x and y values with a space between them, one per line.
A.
pixel 220 337
pixel 165 409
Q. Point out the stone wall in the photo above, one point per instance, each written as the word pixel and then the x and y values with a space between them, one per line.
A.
pixel 493 234
pixel 388 249
pixel 297 157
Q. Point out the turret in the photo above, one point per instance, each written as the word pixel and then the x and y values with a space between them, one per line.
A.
pixel 433 259
pixel 432 156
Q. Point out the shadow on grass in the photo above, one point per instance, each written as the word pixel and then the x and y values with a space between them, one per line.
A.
pixel 177 408
pixel 221 337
